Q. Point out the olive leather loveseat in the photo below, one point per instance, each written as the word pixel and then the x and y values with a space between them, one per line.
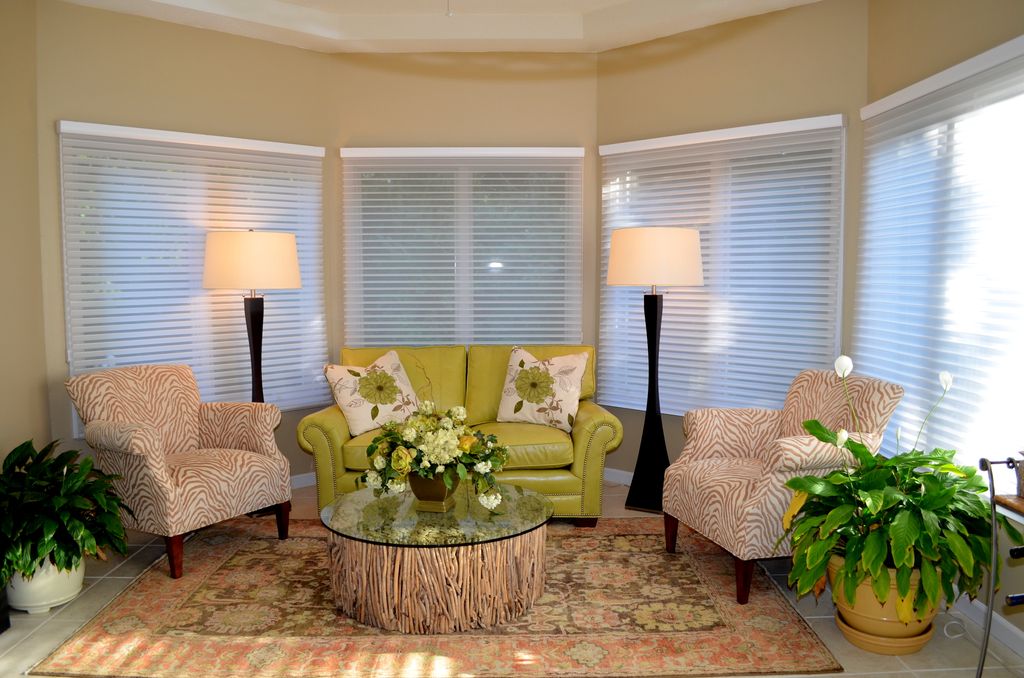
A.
pixel 567 468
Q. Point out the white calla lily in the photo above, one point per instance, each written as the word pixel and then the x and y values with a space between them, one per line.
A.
pixel 844 366
pixel 841 437
pixel 945 380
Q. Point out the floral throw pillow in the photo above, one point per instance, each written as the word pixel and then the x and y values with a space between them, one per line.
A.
pixel 542 391
pixel 374 395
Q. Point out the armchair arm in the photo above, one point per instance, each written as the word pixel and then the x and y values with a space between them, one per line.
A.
pixel 727 432
pixel 135 453
pixel 323 434
pixel 807 453
pixel 595 433
pixel 240 426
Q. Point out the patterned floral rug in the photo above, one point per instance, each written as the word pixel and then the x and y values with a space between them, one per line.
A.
pixel 615 604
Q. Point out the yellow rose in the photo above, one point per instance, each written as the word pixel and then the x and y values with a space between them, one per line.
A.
pixel 466 442
pixel 401 460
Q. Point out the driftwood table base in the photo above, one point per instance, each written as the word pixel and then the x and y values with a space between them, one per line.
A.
pixel 438 589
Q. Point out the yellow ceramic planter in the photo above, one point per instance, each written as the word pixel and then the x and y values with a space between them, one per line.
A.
pixel 874 626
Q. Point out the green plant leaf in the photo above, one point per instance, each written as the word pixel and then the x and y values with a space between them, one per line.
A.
pixel 961 552
pixel 929 581
pixel 903 580
pixel 820 431
pixel 820 551
pixel 903 533
pixel 880 583
pixel 873 500
pixel 838 516
pixel 461 470
pixel 813 485
pixel 875 550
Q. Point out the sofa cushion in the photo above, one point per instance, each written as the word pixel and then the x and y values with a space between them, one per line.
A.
pixel 545 392
pixel 353 453
pixel 437 373
pixel 488 366
pixel 374 395
pixel 531 445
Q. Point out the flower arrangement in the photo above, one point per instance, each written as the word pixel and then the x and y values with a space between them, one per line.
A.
pixel 430 443
pixel 916 512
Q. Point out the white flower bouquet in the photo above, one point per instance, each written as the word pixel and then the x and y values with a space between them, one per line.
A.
pixel 430 444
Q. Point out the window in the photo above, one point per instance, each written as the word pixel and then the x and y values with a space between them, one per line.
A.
pixel 136 208
pixel 939 283
pixel 458 246
pixel 767 201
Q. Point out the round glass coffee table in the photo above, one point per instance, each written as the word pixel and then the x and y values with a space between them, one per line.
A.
pixel 416 572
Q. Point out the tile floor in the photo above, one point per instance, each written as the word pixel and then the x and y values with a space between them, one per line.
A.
pixel 33 637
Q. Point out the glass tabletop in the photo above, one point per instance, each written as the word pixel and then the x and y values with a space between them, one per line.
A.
pixel 391 519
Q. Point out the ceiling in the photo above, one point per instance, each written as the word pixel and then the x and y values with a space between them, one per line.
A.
pixel 448 25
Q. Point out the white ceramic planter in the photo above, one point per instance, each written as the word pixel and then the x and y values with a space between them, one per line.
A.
pixel 47 587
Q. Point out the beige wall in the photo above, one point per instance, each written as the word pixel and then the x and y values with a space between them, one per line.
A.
pixel 799 63
pixel 23 409
pixel 109 68
pixel 909 40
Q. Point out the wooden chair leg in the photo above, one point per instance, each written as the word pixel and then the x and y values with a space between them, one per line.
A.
pixel 175 554
pixel 671 532
pixel 744 576
pixel 585 522
pixel 281 512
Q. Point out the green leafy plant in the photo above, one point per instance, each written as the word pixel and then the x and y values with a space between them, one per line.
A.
pixel 54 506
pixel 916 511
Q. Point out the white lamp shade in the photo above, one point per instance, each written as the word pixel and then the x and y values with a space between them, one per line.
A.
pixel 251 260
pixel 657 255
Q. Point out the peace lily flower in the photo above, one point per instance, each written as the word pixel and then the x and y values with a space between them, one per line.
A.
pixel 841 437
pixel 844 366
pixel 945 380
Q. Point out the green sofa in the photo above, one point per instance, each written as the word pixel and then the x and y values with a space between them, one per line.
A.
pixel 568 468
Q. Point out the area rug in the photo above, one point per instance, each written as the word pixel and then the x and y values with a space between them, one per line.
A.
pixel 615 604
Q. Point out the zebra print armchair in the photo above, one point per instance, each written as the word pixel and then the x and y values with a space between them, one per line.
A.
pixel 183 464
pixel 729 482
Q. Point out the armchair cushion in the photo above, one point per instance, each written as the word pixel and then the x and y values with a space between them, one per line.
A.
pixel 818 394
pixel 165 397
pixel 728 432
pixel 212 485
pixel 246 426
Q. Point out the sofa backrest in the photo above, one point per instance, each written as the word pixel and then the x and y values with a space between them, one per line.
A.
pixel 437 373
pixel 489 364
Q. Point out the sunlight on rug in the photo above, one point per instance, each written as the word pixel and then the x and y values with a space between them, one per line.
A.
pixel 615 604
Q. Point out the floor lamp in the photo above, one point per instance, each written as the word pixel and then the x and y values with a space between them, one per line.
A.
pixel 252 260
pixel 653 256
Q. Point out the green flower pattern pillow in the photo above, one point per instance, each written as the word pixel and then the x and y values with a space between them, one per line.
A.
pixel 542 391
pixel 374 395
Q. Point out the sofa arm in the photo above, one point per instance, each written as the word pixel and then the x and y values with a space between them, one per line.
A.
pixel 595 433
pixel 135 453
pixel 240 426
pixel 807 453
pixel 727 432
pixel 323 434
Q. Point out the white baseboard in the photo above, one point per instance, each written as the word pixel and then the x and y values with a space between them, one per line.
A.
pixel 303 480
pixel 614 475
pixel 1002 630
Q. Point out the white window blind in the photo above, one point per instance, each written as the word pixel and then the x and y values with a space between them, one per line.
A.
pixel 768 205
pixel 458 246
pixel 136 208
pixel 939 282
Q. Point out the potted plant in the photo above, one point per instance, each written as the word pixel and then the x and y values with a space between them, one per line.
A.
pixel 54 509
pixel 896 536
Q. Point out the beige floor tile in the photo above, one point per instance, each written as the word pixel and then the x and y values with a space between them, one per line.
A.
pixel 22 626
pixel 853 659
pixel 776 565
pixel 36 646
pixel 990 672
pixel 136 538
pixel 139 561
pixel 91 600
pixel 942 652
pixel 808 606
pixel 94 567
